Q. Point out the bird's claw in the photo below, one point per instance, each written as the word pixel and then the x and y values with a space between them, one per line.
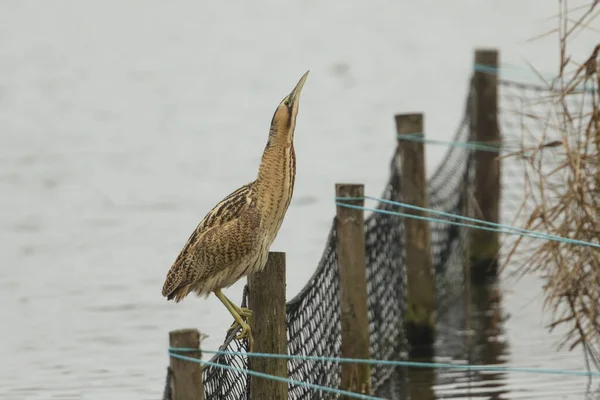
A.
pixel 233 326
pixel 246 333
pixel 245 313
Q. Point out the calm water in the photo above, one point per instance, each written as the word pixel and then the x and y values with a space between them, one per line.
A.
pixel 123 122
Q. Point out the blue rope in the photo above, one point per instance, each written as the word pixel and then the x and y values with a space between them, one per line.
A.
pixel 494 227
pixel 272 377
pixel 399 363
pixel 487 69
pixel 511 67
pixel 507 69
pixel 483 146
pixel 539 235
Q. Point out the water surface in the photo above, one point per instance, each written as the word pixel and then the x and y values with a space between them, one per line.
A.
pixel 123 122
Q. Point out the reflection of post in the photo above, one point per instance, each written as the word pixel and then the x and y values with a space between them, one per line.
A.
pixel 488 327
pixel 421 380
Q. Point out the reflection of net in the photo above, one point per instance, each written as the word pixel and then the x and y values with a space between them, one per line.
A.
pixel 313 318
pixel 527 118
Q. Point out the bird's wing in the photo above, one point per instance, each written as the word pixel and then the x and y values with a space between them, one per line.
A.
pixel 226 210
pixel 225 235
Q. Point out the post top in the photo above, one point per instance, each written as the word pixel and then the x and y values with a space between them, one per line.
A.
pixel 184 338
pixel 185 331
pixel 409 123
pixel 409 115
pixel 349 189
pixel 487 57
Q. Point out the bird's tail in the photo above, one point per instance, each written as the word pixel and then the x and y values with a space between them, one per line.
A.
pixel 175 286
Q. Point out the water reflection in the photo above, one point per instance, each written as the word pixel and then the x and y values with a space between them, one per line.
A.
pixel 473 332
pixel 469 332
pixel 486 344
pixel 421 380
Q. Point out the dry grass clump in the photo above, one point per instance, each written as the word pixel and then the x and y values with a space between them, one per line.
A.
pixel 567 195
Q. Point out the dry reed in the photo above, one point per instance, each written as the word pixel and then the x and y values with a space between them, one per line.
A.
pixel 565 191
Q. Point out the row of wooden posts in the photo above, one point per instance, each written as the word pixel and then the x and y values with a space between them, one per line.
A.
pixel 266 295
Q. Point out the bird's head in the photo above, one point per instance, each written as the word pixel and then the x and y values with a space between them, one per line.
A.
pixel 284 119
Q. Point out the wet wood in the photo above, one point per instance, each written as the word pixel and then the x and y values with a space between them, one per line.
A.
pixel 186 377
pixel 484 245
pixel 266 298
pixel 420 318
pixel 350 247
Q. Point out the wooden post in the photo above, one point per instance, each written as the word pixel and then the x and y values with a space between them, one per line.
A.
pixel 266 298
pixel 350 247
pixel 186 378
pixel 484 245
pixel 420 318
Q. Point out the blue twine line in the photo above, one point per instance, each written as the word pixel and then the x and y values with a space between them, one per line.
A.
pixel 487 69
pixel 474 145
pixel 272 377
pixel 396 363
pixel 493 227
pixel 507 67
pixel 540 235
pixel 419 137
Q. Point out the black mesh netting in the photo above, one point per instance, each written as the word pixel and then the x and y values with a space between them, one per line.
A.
pixel 313 318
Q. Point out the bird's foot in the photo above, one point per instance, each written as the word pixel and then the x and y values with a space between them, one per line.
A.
pixel 233 326
pixel 246 333
pixel 245 313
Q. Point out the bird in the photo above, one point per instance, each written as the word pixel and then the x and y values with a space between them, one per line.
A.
pixel 234 237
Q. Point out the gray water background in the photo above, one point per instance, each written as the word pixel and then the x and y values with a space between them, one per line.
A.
pixel 123 122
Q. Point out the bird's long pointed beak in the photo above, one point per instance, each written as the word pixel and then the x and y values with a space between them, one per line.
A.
pixel 295 94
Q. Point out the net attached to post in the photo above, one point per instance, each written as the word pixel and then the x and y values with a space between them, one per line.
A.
pixel 313 316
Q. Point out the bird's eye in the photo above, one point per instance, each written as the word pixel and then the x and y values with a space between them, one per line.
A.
pixel 286 102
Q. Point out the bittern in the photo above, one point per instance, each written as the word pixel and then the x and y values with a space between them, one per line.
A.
pixel 234 238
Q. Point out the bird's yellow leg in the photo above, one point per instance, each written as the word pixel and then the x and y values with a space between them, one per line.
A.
pixel 238 319
pixel 245 313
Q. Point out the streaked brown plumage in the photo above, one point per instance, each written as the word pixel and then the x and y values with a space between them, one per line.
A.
pixel 234 238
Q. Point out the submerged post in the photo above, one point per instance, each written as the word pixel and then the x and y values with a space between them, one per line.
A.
pixel 350 247
pixel 186 376
pixel 484 245
pixel 266 298
pixel 420 318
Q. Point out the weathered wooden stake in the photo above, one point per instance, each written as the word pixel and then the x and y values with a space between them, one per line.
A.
pixel 484 245
pixel 266 298
pixel 350 247
pixel 420 319
pixel 186 378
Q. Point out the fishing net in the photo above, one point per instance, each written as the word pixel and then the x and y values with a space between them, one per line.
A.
pixel 313 316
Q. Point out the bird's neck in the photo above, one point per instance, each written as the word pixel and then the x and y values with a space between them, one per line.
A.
pixel 275 182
